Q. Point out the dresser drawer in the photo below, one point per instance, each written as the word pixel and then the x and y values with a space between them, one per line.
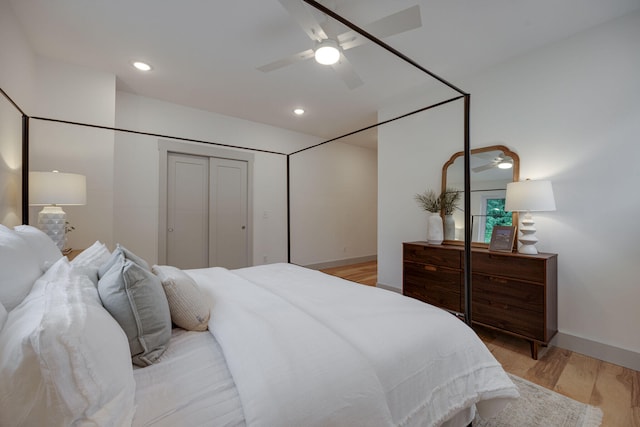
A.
pixel 523 268
pixel 433 284
pixel 435 256
pixel 509 304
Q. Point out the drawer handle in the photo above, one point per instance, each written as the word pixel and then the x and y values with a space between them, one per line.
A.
pixel 431 268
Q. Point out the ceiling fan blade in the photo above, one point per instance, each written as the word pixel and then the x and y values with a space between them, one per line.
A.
pixel 346 72
pixel 396 23
pixel 280 63
pixel 484 167
pixel 350 39
pixel 300 12
pixel 399 22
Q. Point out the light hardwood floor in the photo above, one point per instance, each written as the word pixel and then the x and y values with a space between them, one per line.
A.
pixel 614 389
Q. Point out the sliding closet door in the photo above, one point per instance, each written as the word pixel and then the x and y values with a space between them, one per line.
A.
pixel 228 213
pixel 187 211
pixel 207 212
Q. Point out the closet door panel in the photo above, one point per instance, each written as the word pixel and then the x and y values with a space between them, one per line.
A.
pixel 188 211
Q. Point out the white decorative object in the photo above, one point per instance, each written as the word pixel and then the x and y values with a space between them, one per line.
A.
pixel 449 227
pixel 435 234
pixel 529 196
pixel 52 190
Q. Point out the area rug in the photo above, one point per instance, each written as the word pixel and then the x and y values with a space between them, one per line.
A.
pixel 538 406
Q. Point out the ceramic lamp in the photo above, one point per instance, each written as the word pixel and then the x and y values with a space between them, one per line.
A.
pixel 529 196
pixel 52 190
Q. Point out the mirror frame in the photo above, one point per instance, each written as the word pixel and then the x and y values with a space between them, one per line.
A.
pixel 516 177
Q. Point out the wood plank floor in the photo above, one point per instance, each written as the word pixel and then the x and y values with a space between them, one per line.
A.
pixel 614 389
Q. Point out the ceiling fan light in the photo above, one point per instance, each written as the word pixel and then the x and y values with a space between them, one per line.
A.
pixel 505 164
pixel 327 53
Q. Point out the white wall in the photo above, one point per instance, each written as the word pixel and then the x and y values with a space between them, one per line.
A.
pixel 69 92
pixel 571 111
pixel 16 79
pixel 334 204
pixel 17 73
pixel 137 163
pixel 342 176
pixel 411 153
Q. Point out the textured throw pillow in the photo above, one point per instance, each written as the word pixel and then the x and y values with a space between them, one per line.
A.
pixel 43 247
pixel 187 304
pixel 19 268
pixel 121 250
pixel 134 297
pixel 63 359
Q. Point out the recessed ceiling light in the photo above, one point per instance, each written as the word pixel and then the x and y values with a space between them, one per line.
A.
pixel 298 111
pixel 142 66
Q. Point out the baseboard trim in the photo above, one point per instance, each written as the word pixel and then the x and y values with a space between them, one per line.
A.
pixel 341 262
pixel 388 288
pixel 608 353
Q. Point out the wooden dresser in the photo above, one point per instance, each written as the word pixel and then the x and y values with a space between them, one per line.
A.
pixel 512 293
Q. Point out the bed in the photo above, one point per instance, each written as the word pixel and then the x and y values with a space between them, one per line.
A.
pixel 271 345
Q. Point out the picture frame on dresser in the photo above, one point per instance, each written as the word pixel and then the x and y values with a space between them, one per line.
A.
pixel 502 238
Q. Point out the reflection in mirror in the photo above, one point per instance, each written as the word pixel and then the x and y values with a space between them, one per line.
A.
pixel 492 168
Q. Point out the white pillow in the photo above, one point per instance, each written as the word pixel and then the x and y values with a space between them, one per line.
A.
pixel 63 359
pixel 19 268
pixel 41 244
pixel 88 261
pixel 3 315
pixel 94 256
pixel 187 304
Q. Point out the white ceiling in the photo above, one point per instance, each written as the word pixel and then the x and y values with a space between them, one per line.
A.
pixel 205 53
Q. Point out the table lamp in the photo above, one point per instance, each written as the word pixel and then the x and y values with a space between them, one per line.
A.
pixel 529 196
pixel 52 190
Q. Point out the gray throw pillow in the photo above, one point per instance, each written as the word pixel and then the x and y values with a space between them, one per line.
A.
pixel 121 250
pixel 135 298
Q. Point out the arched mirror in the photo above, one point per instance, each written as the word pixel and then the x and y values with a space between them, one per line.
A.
pixel 492 168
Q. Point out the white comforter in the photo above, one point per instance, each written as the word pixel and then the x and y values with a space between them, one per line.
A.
pixel 308 349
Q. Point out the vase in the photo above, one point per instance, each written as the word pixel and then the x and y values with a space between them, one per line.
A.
pixel 435 233
pixel 449 228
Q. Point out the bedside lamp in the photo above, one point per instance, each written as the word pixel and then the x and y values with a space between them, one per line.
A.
pixel 529 196
pixel 52 190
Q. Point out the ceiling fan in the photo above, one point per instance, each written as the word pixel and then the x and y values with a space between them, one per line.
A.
pixel 326 38
pixel 500 161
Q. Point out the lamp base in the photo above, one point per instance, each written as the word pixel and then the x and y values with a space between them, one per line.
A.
pixel 528 239
pixel 52 220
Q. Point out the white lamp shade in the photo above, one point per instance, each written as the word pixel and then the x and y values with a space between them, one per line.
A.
pixel 56 188
pixel 529 196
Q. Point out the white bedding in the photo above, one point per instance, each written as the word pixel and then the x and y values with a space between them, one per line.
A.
pixel 306 349
pixel 189 385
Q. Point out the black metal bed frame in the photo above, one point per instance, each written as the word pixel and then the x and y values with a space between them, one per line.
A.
pixel 462 95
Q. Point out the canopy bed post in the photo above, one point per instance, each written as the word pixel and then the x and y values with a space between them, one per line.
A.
pixel 288 211
pixel 467 150
pixel 467 212
pixel 25 169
